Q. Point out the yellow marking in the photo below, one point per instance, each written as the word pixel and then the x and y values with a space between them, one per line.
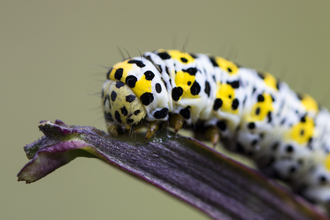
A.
pixel 302 131
pixel 270 81
pixel 142 86
pixel 182 79
pixel 226 65
pixel 227 94
pixel 309 103
pixel 327 162
pixel 264 107
pixel 126 68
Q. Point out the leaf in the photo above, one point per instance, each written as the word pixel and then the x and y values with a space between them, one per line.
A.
pixel 181 166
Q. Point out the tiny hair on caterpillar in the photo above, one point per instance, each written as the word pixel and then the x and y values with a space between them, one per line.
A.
pixel 250 112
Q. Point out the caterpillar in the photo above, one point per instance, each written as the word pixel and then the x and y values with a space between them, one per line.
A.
pixel 248 111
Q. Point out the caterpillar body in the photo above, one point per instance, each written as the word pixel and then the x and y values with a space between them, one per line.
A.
pixel 250 112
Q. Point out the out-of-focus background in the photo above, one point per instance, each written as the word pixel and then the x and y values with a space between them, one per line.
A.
pixel 52 55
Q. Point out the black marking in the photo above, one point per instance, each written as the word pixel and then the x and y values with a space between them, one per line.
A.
pixel 269 117
pixel 251 125
pixel 119 84
pixel 192 71
pixel 234 84
pixel 277 85
pixel 113 96
pixel 184 60
pixel 289 149
pixel 117 116
pixel 148 58
pixel 131 81
pixel 136 112
pixel 207 89
pixel 217 104
pixel 130 98
pixel 222 125
pixel 165 84
pixel 261 98
pixel 189 83
pixel 229 70
pixel 322 179
pixel 149 75
pixel 137 62
pixel 310 141
pixel 235 104
pixel 129 121
pixel 147 98
pixel 119 73
pixel 195 88
pixel 302 132
pixel 158 88
pixel 124 111
pixel 161 113
pixel 159 68
pixel 185 112
pixel 177 93
pixel 258 111
pixel 167 71
pixel 303 119
pixel 164 56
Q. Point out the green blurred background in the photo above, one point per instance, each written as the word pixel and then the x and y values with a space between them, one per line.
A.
pixel 52 53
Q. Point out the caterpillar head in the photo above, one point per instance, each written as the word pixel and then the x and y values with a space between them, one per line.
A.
pixel 123 111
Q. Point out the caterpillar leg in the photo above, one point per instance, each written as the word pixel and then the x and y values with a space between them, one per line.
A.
pixel 176 121
pixel 112 129
pixel 212 134
pixel 152 128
